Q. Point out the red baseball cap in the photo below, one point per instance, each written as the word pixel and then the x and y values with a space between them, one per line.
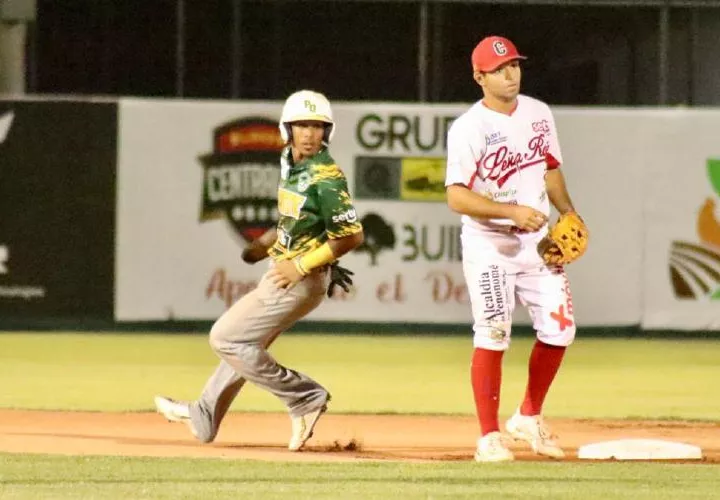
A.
pixel 493 51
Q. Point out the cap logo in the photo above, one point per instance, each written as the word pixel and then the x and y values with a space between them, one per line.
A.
pixel 309 105
pixel 499 48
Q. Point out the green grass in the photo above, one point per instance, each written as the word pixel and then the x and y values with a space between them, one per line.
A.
pixel 41 477
pixel 613 378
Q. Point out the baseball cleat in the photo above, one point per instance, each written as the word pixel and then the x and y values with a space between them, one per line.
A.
pixel 174 411
pixel 303 426
pixel 533 430
pixel 491 448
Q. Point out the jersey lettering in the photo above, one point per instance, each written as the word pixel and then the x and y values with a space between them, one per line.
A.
pixel 289 203
pixel 502 163
pixel 504 157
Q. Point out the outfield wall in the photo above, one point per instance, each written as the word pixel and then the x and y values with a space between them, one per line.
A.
pixel 57 209
pixel 194 179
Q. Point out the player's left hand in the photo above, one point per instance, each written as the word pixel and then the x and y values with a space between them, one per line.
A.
pixel 566 241
pixel 285 274
pixel 339 276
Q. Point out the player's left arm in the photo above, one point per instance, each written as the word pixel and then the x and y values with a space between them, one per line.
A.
pixel 567 239
pixel 554 179
pixel 344 231
pixel 557 191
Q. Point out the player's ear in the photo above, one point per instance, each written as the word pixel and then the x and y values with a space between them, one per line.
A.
pixel 478 77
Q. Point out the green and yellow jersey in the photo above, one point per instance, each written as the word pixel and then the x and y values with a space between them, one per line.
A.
pixel 314 205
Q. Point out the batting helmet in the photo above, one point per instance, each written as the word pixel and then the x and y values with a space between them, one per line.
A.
pixel 306 105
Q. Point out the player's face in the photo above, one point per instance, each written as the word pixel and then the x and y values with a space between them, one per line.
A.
pixel 307 136
pixel 503 83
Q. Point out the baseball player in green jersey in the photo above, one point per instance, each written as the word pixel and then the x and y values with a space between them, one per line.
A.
pixel 318 224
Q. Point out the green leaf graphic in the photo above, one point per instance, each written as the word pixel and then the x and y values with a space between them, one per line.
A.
pixel 713 167
pixel 716 294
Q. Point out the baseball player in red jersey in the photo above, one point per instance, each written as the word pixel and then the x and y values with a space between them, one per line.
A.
pixel 502 174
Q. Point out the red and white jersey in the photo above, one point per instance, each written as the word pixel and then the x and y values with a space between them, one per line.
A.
pixel 504 157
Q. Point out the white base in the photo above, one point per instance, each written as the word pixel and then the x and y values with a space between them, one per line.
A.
pixel 639 449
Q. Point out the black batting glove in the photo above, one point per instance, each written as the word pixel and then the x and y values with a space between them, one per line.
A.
pixel 339 276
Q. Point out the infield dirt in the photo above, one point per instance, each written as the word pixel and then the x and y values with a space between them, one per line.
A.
pixel 264 436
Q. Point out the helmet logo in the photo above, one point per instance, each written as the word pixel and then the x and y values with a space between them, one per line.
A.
pixel 499 48
pixel 305 105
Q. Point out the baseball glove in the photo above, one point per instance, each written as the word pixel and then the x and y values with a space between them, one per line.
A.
pixel 565 242
pixel 339 276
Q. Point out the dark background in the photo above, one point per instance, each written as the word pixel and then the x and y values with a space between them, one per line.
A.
pixel 351 50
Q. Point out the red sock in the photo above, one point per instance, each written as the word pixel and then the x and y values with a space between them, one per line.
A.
pixel 486 375
pixel 544 363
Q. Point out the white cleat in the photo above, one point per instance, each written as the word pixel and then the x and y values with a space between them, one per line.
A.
pixel 491 448
pixel 533 430
pixel 302 428
pixel 174 411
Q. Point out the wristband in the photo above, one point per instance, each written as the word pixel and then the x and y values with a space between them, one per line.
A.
pixel 315 258
pixel 300 269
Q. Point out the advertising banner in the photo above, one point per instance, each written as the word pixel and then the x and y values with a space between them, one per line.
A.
pixel 57 209
pixel 682 243
pixel 197 181
pixel 160 236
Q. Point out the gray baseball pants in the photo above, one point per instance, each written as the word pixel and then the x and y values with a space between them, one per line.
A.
pixel 241 337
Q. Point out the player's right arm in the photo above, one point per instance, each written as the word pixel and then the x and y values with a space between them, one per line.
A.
pixel 466 202
pixel 463 171
pixel 257 250
pixel 463 201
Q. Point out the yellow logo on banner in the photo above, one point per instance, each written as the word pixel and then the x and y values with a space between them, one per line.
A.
pixel 422 179
pixel 290 203
pixel 695 268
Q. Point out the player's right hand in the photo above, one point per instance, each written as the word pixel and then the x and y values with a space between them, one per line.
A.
pixel 527 218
